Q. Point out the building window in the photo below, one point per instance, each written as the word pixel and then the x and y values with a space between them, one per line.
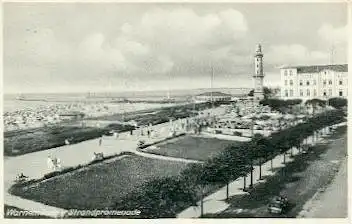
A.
pixel 308 92
pixel 285 72
pixel 290 72
pixel 307 83
pixel 324 93
pixel 330 92
pixel 291 92
pixel 301 92
pixel 314 82
pixel 286 93
pixel 285 82
pixel 340 82
pixel 291 82
pixel 315 92
pixel 300 83
pixel 340 93
pixel 324 82
pixel 330 82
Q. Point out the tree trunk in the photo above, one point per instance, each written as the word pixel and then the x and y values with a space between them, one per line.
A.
pixel 260 169
pixel 291 151
pixel 271 164
pixel 201 205
pixel 227 191
pixel 284 157
pixel 244 183
pixel 251 185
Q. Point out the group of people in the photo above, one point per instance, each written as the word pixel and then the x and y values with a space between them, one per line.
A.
pixel 54 164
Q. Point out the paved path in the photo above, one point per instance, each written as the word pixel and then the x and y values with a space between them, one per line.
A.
pixel 34 165
pixel 154 156
pixel 225 137
pixel 332 203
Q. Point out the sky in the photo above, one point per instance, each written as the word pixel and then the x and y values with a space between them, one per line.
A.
pixel 81 47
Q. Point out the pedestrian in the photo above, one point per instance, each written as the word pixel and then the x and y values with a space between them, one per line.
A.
pixel 131 132
pixel 100 140
pixel 148 132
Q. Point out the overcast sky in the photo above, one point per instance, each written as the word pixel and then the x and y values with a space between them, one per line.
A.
pixel 73 47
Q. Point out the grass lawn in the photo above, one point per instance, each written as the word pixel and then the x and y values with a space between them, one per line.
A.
pixel 100 186
pixel 32 140
pixel 191 147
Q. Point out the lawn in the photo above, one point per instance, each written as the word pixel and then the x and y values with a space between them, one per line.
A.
pixel 32 140
pixel 99 186
pixel 191 147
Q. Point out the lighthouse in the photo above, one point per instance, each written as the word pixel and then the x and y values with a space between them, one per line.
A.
pixel 258 74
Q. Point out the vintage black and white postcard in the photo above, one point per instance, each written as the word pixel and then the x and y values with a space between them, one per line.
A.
pixel 196 110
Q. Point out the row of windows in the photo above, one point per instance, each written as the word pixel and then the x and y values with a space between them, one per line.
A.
pixel 291 92
pixel 291 82
pixel 286 73
pixel 308 92
pixel 330 82
pixel 314 82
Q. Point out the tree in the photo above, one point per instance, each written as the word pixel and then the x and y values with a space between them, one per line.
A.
pixel 260 147
pixel 239 158
pixel 196 177
pixel 337 102
pixel 159 197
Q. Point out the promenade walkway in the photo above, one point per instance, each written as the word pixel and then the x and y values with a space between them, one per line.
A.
pixel 34 165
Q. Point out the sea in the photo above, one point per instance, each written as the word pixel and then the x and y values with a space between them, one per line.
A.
pixel 33 100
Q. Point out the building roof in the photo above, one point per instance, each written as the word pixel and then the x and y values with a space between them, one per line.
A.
pixel 214 94
pixel 319 68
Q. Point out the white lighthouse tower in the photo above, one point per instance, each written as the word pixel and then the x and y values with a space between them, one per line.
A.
pixel 258 74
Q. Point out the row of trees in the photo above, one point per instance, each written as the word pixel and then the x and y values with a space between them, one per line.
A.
pixel 268 92
pixel 336 102
pixel 165 197
pixel 280 105
pixel 283 105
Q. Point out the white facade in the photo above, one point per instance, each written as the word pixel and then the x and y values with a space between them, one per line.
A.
pixel 258 74
pixel 309 82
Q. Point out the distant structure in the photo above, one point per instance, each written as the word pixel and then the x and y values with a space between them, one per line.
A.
pixel 213 97
pixel 258 74
pixel 314 81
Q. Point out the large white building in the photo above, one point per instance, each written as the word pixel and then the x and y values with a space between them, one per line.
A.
pixel 316 81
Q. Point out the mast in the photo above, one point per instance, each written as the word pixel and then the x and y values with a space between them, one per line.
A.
pixel 332 52
pixel 211 85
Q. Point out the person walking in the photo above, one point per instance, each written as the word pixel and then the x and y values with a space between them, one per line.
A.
pixel 100 140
